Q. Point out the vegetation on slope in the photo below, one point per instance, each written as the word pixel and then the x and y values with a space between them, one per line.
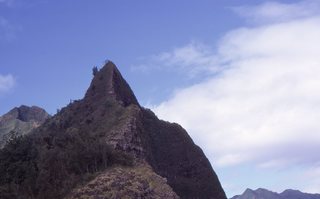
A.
pixel 56 157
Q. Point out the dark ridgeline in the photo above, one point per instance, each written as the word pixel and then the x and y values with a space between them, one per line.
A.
pixel 108 127
pixel 266 194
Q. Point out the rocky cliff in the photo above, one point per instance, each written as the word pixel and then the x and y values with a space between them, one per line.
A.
pixel 20 121
pixel 108 146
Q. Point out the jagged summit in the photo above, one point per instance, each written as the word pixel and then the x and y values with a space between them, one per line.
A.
pixel 109 83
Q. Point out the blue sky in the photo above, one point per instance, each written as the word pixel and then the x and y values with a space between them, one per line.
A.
pixel 241 76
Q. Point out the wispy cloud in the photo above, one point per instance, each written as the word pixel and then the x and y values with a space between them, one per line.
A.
pixel 273 11
pixel 7 82
pixel 8 29
pixel 192 59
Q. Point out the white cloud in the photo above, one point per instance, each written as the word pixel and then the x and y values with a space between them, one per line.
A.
pixel 193 58
pixel 264 106
pixel 7 82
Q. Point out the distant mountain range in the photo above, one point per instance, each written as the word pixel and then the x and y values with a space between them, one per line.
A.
pixel 20 121
pixel 266 194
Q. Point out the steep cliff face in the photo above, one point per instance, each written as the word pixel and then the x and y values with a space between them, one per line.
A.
pixel 106 129
pixel 165 146
pixel 173 155
pixel 20 121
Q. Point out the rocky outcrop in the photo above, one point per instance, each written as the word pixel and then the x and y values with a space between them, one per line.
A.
pixel 126 182
pixel 108 83
pixel 127 137
pixel 25 114
pixel 20 121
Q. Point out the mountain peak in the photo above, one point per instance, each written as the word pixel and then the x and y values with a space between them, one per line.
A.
pixel 26 114
pixel 248 190
pixel 108 83
pixel 20 121
pixel 262 190
pixel 108 128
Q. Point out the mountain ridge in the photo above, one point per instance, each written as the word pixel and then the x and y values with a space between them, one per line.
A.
pixel 262 193
pixel 108 128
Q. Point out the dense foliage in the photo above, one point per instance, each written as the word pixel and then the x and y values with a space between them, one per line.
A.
pixel 50 166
